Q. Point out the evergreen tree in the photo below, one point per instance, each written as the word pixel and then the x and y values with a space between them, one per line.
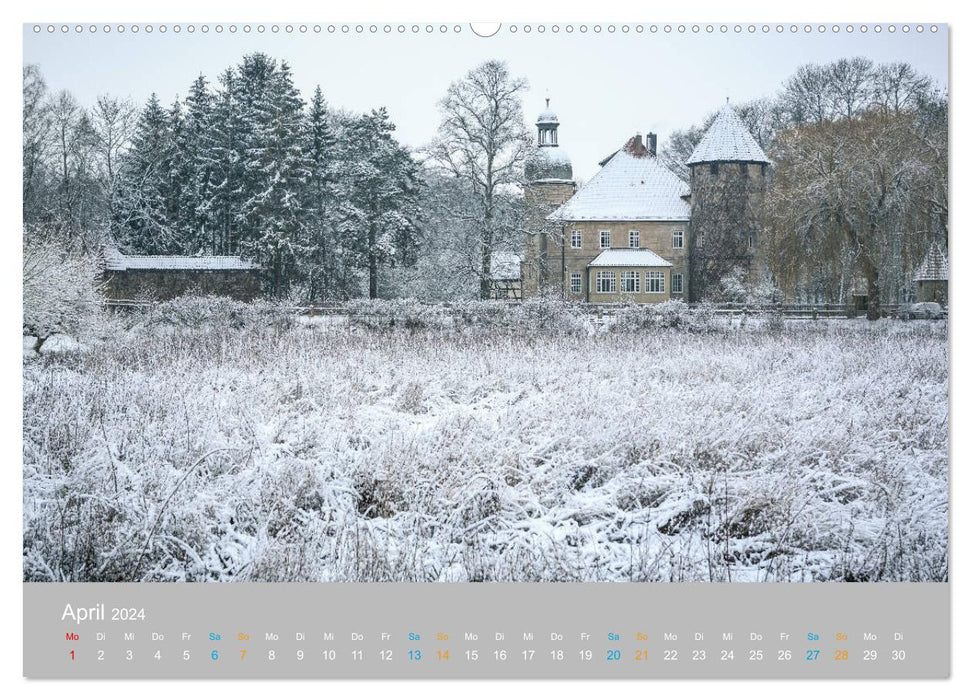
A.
pixel 177 176
pixel 275 169
pixel 220 160
pixel 380 195
pixel 146 224
pixel 321 201
pixel 197 223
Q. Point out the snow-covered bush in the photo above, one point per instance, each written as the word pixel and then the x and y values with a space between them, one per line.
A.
pixel 61 290
pixel 485 315
pixel 551 313
pixel 214 312
pixel 541 314
pixel 407 314
pixel 669 314
pixel 737 287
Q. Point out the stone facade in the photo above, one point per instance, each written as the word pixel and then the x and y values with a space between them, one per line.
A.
pixel 932 290
pixel 657 236
pixel 726 200
pixel 135 284
pixel 541 269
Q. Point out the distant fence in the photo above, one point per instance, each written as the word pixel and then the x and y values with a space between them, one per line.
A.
pixel 793 311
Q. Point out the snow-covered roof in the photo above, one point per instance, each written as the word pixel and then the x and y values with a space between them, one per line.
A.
pixel 629 257
pixel 727 139
pixel 505 266
pixel 117 261
pixel 555 154
pixel 934 267
pixel 632 185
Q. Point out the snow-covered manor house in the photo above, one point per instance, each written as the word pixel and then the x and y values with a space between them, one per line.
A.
pixel 636 230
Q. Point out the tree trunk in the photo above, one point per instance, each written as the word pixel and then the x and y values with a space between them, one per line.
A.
pixel 485 286
pixel 485 282
pixel 372 262
pixel 872 288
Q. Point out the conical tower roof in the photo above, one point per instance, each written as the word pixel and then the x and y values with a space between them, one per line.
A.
pixel 727 140
pixel 934 268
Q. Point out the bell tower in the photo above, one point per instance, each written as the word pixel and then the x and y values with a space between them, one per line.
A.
pixel 548 184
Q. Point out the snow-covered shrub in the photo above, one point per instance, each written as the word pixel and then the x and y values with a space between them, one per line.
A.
pixel 406 314
pixel 738 288
pixel 480 314
pixel 214 312
pixel 61 290
pixel 553 314
pixel 669 314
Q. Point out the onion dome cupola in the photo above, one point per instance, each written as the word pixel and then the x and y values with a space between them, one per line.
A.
pixel 548 161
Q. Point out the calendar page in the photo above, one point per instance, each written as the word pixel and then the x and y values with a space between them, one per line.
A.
pixel 485 351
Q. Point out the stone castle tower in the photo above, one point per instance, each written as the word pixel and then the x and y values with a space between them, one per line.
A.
pixel 728 178
pixel 549 183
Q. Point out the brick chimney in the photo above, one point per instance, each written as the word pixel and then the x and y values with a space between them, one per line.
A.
pixel 635 146
pixel 652 144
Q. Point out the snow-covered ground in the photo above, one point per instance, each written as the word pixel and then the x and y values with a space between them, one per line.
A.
pixel 322 452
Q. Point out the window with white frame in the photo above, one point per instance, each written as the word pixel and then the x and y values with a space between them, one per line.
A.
pixel 678 239
pixel 654 281
pixel 630 281
pixel 634 239
pixel 605 239
pixel 606 281
pixel 677 283
pixel 576 282
pixel 577 240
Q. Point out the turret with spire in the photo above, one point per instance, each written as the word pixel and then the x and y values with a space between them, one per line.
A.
pixel 549 183
pixel 728 173
pixel 548 161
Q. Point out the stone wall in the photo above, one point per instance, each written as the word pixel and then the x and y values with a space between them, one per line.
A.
pixel 542 198
pixel 168 284
pixel 932 290
pixel 725 208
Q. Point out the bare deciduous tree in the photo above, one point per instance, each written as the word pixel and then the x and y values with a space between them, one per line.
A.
pixel 483 142
pixel 37 131
pixel 113 122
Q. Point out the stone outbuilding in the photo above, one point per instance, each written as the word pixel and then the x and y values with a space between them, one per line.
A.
pixel 161 277
pixel 931 277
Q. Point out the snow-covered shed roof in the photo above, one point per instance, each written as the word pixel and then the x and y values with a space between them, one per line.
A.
pixel 934 267
pixel 632 185
pixel 629 257
pixel 727 139
pixel 117 261
pixel 505 266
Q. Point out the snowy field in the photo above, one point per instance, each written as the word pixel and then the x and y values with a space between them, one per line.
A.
pixel 319 452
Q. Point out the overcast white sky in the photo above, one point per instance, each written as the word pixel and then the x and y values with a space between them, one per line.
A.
pixel 604 87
